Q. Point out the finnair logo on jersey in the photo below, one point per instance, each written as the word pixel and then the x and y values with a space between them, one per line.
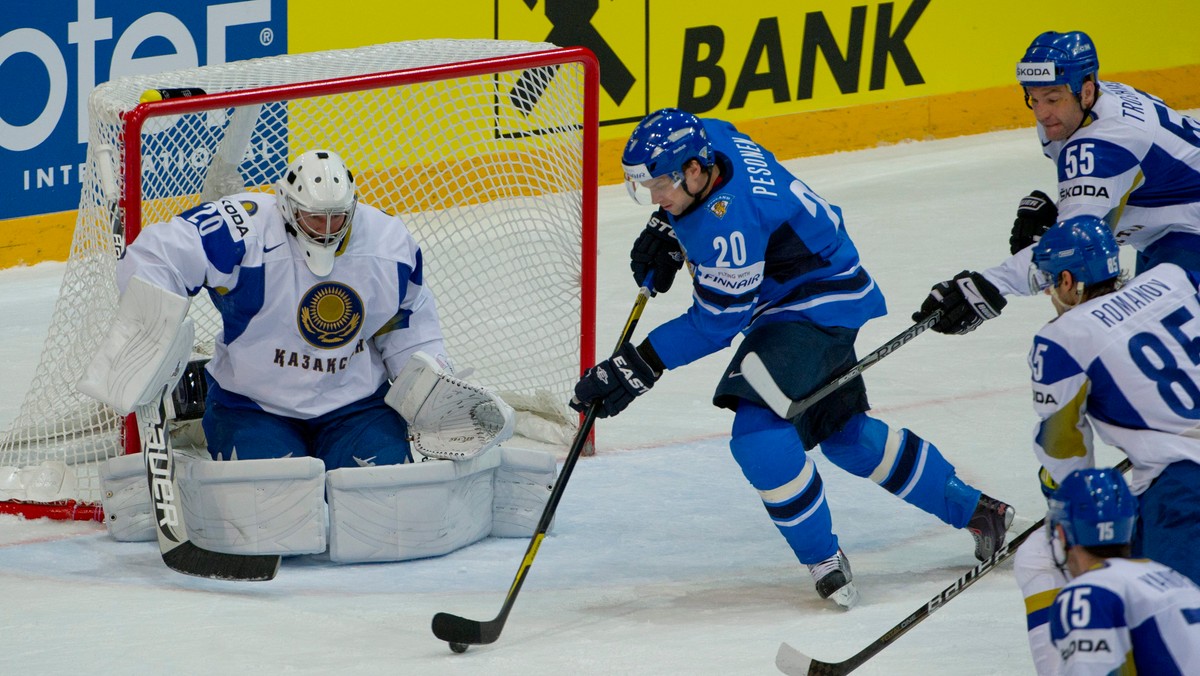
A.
pixel 1035 72
pixel 731 279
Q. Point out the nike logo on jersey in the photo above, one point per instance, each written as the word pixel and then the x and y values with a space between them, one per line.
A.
pixel 270 249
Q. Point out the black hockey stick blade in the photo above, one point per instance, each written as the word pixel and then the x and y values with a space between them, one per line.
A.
pixel 795 663
pixel 179 553
pixel 191 559
pixel 756 373
pixel 461 632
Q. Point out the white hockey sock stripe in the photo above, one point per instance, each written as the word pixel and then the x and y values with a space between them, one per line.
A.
pixel 891 448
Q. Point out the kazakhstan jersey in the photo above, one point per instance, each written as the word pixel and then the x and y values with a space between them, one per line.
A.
pixel 1128 616
pixel 1128 362
pixel 1134 163
pixel 761 247
pixel 297 344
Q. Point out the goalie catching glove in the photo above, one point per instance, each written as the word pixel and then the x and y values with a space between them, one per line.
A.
pixel 965 301
pixel 614 382
pixel 447 417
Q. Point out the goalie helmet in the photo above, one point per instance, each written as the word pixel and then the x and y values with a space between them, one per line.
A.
pixel 660 145
pixel 1094 508
pixel 1083 245
pixel 1057 59
pixel 317 199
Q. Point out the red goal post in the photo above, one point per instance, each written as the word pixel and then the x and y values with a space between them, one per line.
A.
pixel 486 149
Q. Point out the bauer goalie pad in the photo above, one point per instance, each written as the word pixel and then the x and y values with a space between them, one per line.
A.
pixel 146 349
pixel 447 417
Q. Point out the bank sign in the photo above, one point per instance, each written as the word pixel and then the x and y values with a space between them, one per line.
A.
pixel 53 53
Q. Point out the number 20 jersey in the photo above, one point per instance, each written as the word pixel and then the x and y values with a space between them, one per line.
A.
pixel 1130 362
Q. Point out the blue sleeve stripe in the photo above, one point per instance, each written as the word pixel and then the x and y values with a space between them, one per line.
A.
pixel 405 275
pixel 241 304
pixel 1037 618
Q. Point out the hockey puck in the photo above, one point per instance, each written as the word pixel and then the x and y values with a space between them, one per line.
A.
pixel 458 647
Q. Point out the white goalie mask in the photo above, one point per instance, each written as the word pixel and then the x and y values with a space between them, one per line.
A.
pixel 317 199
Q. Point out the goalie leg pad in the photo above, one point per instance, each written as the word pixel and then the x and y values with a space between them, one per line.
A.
pixel 274 506
pixel 401 512
pixel 522 486
pixel 448 417
pixel 128 514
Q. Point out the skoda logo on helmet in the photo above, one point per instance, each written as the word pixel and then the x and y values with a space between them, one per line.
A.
pixel 1035 72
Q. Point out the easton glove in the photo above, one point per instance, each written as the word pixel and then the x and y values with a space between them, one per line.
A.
pixel 614 382
pixel 656 249
pixel 965 301
pixel 1034 217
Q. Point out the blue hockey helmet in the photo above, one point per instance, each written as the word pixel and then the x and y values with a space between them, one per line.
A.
pixel 1083 245
pixel 1057 59
pixel 660 145
pixel 1094 507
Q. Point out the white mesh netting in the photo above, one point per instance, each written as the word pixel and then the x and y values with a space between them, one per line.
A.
pixel 486 170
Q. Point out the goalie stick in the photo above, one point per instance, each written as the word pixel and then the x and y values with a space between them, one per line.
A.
pixel 784 406
pixel 795 663
pixel 178 552
pixel 461 632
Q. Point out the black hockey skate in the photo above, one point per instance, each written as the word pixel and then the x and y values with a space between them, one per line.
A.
pixel 835 580
pixel 989 524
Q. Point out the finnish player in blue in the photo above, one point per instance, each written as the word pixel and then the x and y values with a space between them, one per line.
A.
pixel 770 258
pixel 1117 615
pixel 1122 361
pixel 1122 155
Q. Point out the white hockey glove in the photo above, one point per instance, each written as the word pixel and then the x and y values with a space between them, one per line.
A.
pixel 146 349
pixel 447 417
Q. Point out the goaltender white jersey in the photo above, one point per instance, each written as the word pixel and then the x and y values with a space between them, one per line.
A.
pixel 1127 363
pixel 1134 163
pixel 297 344
pixel 1128 616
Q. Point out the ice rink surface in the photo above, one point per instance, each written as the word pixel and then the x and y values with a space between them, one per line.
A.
pixel 661 560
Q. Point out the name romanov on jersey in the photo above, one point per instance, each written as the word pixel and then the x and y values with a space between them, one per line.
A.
pixel 1121 305
pixel 292 359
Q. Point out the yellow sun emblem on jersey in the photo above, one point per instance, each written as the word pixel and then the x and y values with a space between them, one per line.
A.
pixel 330 315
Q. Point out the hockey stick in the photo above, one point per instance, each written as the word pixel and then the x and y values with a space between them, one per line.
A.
pixel 178 552
pixel 784 406
pixel 461 632
pixel 795 663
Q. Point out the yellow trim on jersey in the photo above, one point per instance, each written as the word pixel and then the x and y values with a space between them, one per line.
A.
pixel 1040 601
pixel 1060 435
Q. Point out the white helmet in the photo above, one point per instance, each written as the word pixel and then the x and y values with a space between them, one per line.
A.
pixel 317 199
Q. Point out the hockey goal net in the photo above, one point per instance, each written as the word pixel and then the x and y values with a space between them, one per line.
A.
pixel 485 148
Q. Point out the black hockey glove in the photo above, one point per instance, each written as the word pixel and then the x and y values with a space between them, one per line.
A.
pixel 965 301
pixel 1034 217
pixel 614 382
pixel 657 250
